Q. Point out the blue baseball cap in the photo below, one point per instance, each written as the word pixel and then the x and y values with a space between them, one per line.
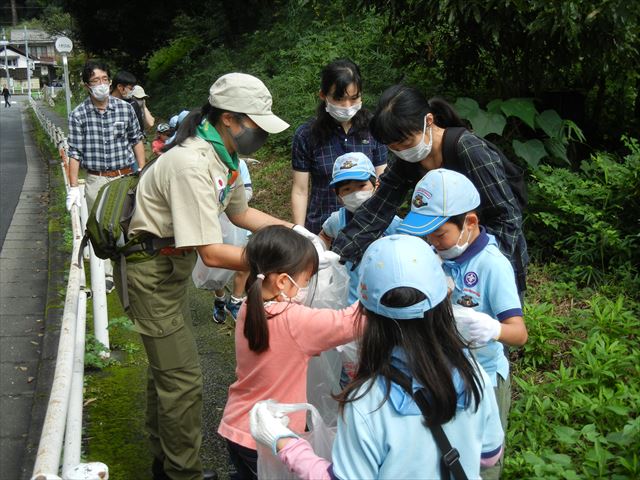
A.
pixel 401 261
pixel 438 196
pixel 352 166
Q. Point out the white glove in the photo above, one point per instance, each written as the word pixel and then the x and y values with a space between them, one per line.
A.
pixel 73 197
pixel 266 428
pixel 476 327
pixel 317 243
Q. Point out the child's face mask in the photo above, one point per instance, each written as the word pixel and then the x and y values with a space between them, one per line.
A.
pixel 353 200
pixel 301 294
pixel 456 250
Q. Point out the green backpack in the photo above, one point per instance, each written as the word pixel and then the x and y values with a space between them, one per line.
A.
pixel 108 225
pixel 110 216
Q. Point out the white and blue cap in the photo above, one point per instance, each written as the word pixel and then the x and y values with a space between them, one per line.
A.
pixel 352 166
pixel 438 196
pixel 401 261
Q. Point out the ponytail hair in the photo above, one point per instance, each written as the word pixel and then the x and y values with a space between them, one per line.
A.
pixel 444 115
pixel 401 110
pixel 189 125
pixel 273 249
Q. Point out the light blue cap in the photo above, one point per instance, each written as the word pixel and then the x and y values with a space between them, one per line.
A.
pixel 176 120
pixel 401 261
pixel 352 166
pixel 438 196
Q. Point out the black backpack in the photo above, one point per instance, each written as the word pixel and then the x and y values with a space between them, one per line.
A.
pixel 513 173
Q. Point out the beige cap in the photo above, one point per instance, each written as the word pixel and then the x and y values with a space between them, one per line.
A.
pixel 242 93
pixel 139 92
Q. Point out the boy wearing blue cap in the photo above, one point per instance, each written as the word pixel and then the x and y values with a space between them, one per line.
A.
pixel 443 212
pixel 354 180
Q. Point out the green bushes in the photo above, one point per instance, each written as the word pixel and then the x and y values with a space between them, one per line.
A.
pixel 576 410
pixel 590 217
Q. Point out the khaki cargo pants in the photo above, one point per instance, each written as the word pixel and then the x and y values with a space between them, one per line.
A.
pixel 159 308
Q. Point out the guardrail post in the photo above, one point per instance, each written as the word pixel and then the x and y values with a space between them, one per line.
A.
pixel 99 299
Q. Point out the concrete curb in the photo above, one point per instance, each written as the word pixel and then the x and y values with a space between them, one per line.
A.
pixel 57 274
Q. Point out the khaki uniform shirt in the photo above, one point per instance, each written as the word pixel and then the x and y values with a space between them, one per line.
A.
pixel 182 196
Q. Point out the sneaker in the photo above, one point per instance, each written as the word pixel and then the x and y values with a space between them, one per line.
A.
pixel 233 307
pixel 109 286
pixel 219 313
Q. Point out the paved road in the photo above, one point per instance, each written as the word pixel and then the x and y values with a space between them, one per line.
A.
pixel 13 165
pixel 27 337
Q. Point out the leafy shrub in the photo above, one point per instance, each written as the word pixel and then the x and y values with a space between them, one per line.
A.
pixel 577 397
pixel 590 216
pixel 554 132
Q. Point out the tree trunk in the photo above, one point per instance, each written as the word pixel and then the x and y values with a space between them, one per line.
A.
pixel 14 13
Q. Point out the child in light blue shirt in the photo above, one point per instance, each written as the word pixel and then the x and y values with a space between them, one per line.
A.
pixel 443 212
pixel 354 180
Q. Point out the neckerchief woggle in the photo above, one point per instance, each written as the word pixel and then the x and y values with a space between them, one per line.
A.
pixel 207 132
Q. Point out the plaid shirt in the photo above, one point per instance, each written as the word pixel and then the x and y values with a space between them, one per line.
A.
pixel 319 163
pixel 103 141
pixel 499 210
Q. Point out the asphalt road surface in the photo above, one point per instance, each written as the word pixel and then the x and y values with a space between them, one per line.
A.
pixel 13 162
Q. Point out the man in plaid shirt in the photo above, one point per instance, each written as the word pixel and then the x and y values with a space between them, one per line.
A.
pixel 104 139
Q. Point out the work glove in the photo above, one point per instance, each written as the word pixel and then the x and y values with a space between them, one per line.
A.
pixel 476 327
pixel 266 427
pixel 325 257
pixel 73 197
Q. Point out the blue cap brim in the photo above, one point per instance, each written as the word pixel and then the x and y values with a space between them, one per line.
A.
pixel 342 177
pixel 420 225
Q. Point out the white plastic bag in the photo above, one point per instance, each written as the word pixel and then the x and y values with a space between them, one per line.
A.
pixel 208 278
pixel 323 380
pixel 320 436
pixel 330 287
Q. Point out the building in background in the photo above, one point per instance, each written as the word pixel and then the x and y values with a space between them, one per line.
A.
pixel 42 60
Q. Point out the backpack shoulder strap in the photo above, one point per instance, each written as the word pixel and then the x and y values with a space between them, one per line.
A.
pixel 450 460
pixel 450 139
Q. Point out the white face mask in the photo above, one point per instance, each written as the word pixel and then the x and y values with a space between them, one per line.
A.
pixel 128 95
pixel 456 250
pixel 418 152
pixel 100 92
pixel 301 294
pixel 342 114
pixel 353 200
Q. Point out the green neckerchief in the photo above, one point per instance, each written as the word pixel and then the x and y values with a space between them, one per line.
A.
pixel 207 132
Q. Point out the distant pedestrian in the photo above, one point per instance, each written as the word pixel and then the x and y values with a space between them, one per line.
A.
pixel 6 94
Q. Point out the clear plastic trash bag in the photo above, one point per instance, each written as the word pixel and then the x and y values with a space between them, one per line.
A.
pixel 208 278
pixel 320 436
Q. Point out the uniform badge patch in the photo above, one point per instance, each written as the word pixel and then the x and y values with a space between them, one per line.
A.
pixel 470 279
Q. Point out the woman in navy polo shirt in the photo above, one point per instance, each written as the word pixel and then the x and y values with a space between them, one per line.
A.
pixel 340 126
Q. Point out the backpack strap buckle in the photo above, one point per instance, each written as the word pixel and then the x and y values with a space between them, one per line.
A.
pixel 451 457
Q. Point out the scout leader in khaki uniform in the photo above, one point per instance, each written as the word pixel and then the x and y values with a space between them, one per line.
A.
pixel 181 196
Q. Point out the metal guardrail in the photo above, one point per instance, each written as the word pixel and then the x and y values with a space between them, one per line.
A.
pixel 64 411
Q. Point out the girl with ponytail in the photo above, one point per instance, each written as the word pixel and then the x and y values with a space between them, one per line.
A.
pixel 276 336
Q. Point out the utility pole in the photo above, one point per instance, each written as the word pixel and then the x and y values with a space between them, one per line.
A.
pixel 26 47
pixel 5 43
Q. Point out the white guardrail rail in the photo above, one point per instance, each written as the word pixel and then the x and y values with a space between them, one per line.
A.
pixel 63 420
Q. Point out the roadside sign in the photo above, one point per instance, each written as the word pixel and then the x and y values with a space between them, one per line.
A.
pixel 64 45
